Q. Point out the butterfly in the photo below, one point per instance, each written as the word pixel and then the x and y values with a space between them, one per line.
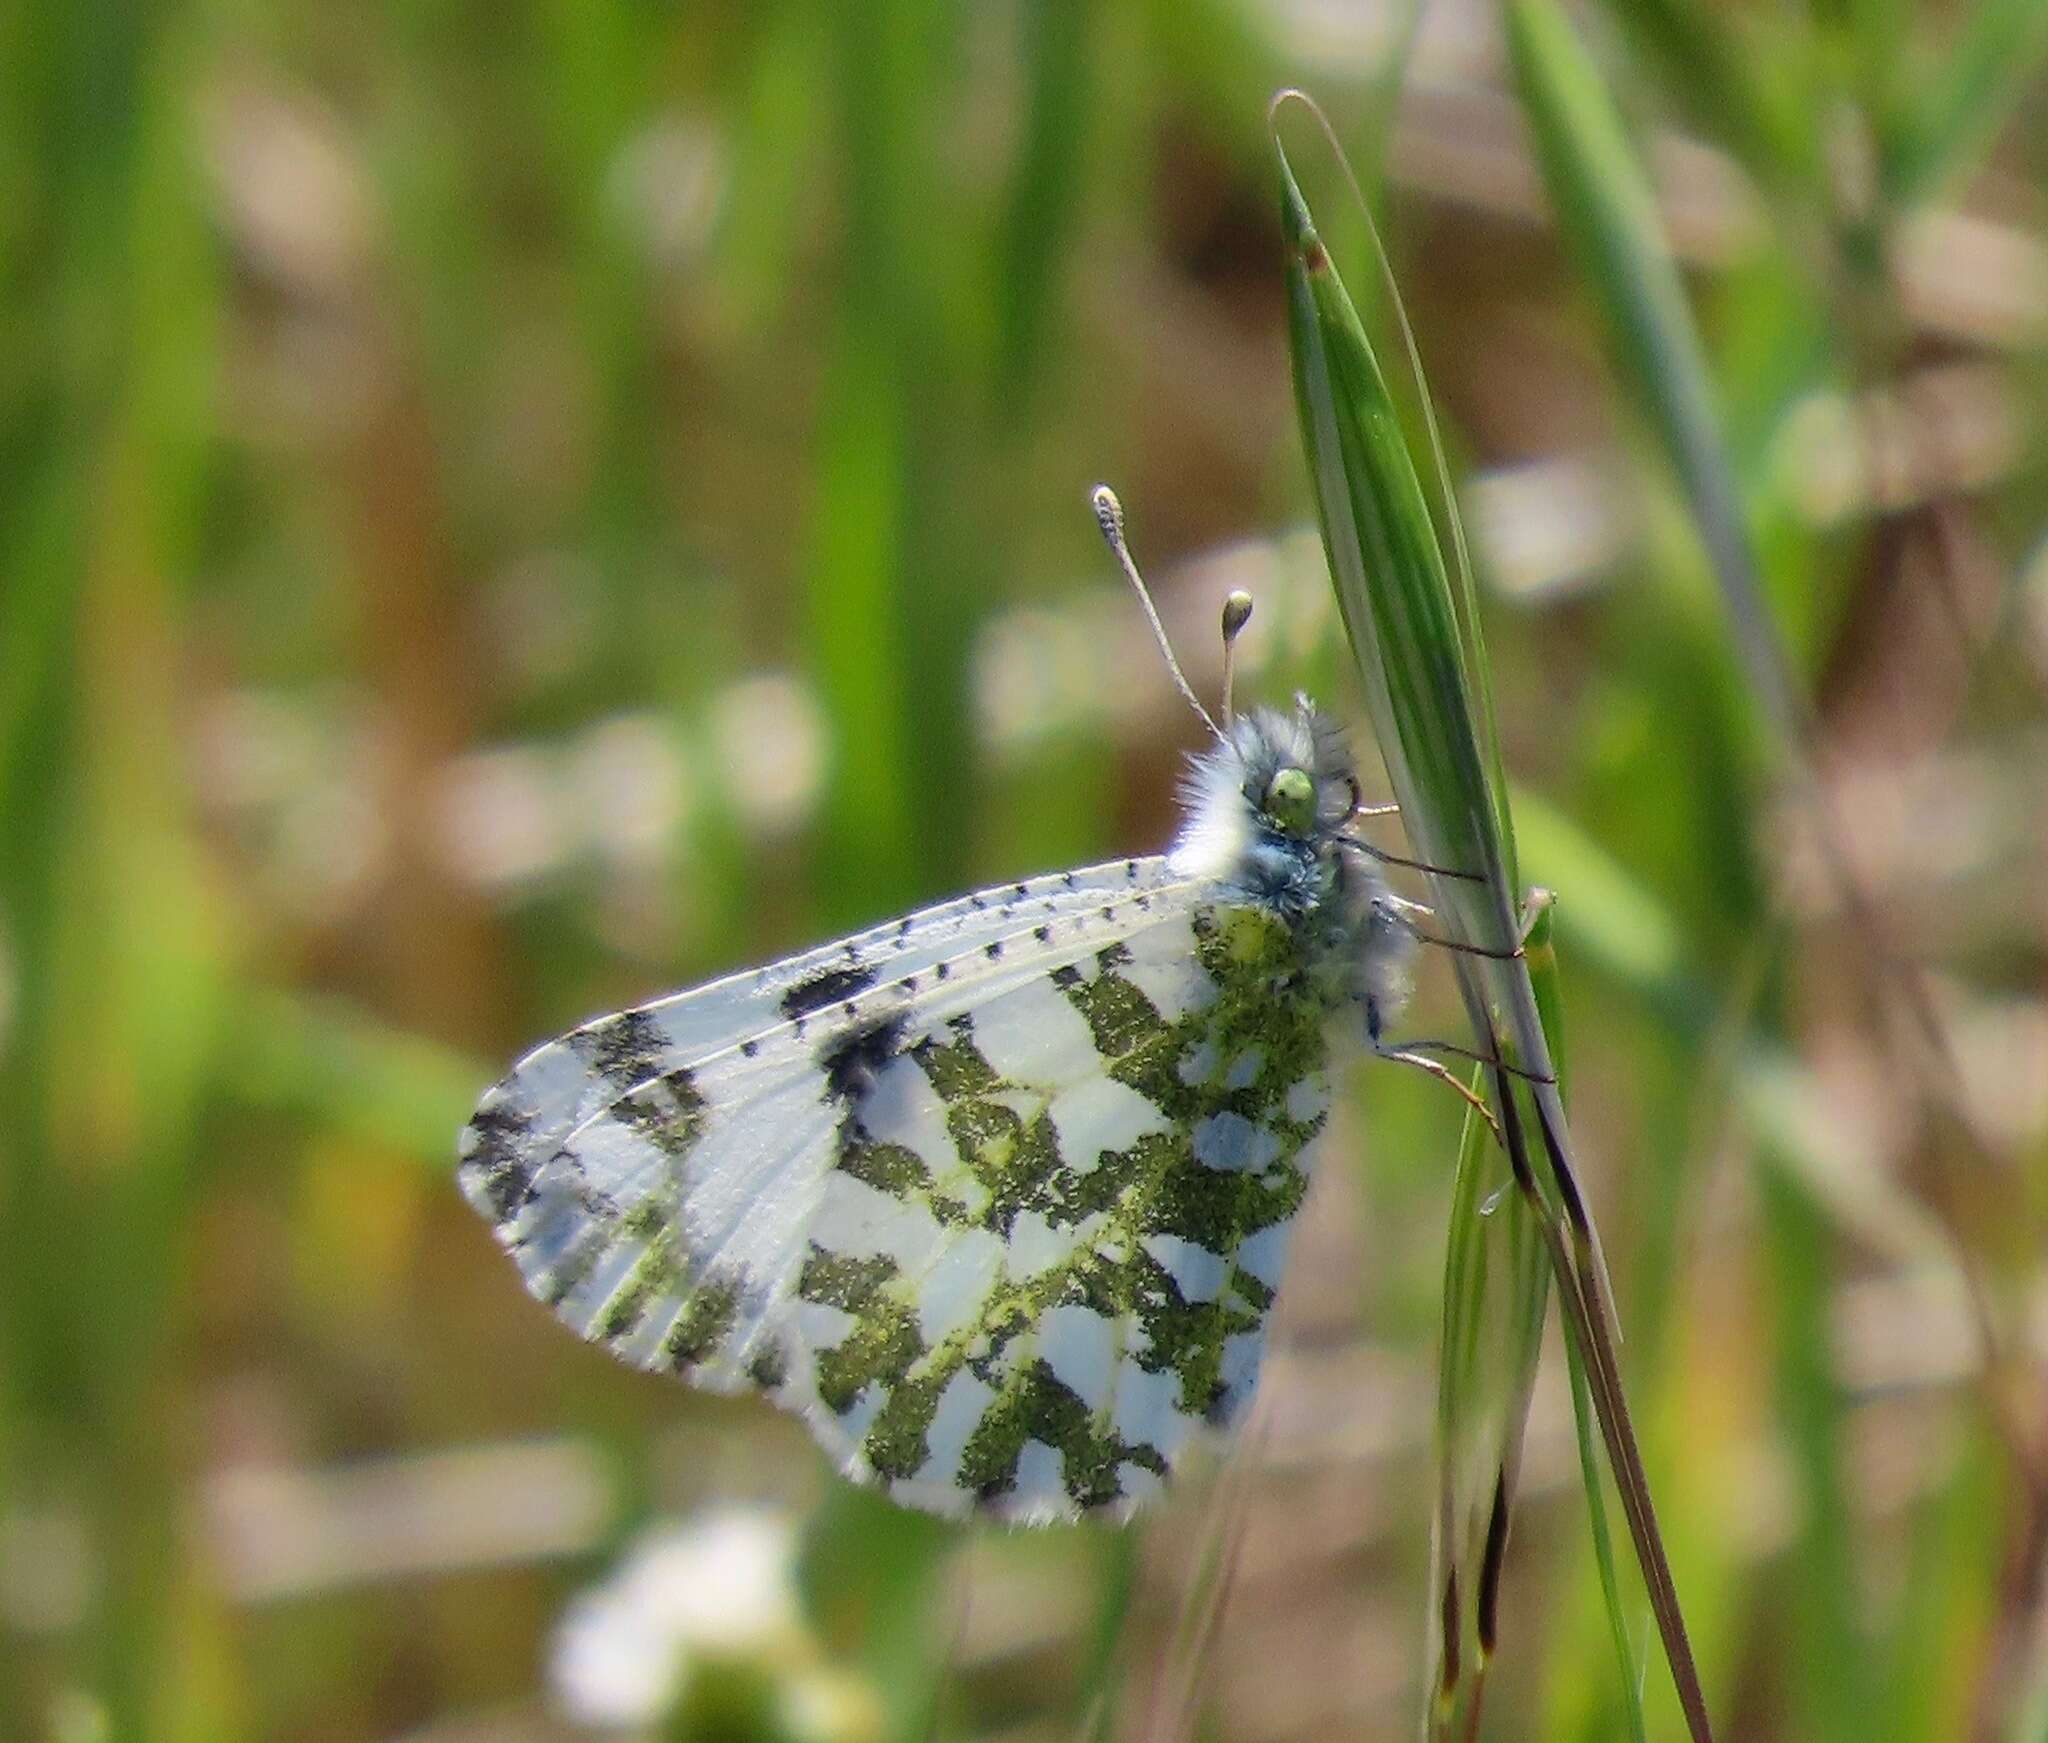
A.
pixel 997 1195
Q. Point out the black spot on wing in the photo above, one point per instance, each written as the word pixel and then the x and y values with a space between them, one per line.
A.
pixel 1224 1404
pixel 625 1050
pixel 769 1366
pixel 501 1161
pixel 668 1111
pixel 853 1058
pixel 827 987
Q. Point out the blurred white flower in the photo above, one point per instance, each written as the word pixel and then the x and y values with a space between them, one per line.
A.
pixel 722 1585
pixel 666 185
pixel 502 815
pixel 632 787
pixel 770 738
pixel 78 1717
pixel 297 777
pixel 294 195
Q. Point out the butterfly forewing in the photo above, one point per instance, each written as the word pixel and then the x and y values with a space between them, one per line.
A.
pixel 559 1085
pixel 1001 1211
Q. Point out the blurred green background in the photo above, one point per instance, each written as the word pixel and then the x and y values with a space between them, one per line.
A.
pixel 507 510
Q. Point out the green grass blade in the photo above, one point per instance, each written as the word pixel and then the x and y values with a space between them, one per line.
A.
pixel 1393 588
pixel 1394 592
pixel 1610 221
pixel 890 618
pixel 1043 199
pixel 1976 85
pixel 1496 1295
pixel 1544 976
pixel 1603 203
pixel 1709 61
pixel 1468 639
pixel 1457 1399
pixel 1586 1432
pixel 855 618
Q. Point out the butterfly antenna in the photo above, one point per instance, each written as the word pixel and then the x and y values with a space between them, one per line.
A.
pixel 1237 612
pixel 1109 515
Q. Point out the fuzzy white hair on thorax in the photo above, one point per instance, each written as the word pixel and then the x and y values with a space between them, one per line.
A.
pixel 1223 791
pixel 1219 821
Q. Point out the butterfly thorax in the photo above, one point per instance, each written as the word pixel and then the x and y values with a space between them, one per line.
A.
pixel 1268 815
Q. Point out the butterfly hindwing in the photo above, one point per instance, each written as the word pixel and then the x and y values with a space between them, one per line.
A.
pixel 1003 1220
pixel 1123 1160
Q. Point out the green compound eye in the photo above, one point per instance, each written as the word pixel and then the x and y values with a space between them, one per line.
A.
pixel 1291 801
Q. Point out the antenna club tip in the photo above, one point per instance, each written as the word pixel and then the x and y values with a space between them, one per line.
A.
pixel 1237 612
pixel 1108 511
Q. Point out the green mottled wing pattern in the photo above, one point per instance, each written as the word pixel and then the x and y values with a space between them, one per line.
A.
pixel 1003 1218
pixel 1121 1162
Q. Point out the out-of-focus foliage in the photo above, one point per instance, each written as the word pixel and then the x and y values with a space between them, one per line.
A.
pixel 505 511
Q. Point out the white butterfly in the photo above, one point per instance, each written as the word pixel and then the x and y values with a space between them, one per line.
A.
pixel 996 1195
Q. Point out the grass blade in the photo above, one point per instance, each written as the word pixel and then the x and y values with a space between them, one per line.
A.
pixel 1604 207
pixel 1496 1293
pixel 1708 58
pixel 1974 90
pixel 1609 218
pixel 1043 200
pixel 1377 529
pixel 1603 1544
pixel 1543 975
pixel 1394 590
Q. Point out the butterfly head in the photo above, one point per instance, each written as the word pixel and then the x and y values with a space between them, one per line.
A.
pixel 1267 807
pixel 1289 802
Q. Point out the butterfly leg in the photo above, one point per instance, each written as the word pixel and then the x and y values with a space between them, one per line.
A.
pixel 1478 1058
pixel 1416 1054
pixel 1406 913
pixel 1459 945
pixel 1359 808
pixel 1421 865
pixel 1443 1074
